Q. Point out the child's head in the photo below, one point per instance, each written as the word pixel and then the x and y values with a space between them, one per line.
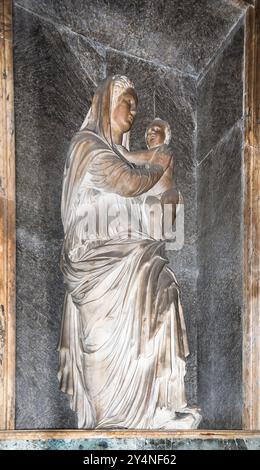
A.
pixel 158 132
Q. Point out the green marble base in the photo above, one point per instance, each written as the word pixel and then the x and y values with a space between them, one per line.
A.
pixel 132 444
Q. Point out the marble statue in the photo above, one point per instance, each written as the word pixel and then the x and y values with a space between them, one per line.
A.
pixel 164 192
pixel 123 340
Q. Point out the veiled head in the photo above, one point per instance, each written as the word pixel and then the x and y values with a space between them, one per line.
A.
pixel 114 104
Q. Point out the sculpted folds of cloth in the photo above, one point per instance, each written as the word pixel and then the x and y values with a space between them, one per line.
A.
pixel 123 340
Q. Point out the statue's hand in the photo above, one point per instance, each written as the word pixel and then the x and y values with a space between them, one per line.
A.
pixel 162 157
pixel 171 196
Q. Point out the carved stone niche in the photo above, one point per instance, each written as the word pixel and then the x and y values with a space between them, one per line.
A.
pixel 216 141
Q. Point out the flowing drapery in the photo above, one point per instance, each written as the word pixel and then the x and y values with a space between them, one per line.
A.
pixel 123 340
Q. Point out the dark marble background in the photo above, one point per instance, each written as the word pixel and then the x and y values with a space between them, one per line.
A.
pixel 186 60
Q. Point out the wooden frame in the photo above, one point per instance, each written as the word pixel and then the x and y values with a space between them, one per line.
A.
pixel 7 223
pixel 251 326
pixel 251 323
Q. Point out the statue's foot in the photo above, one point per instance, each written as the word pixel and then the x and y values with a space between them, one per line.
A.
pixel 186 418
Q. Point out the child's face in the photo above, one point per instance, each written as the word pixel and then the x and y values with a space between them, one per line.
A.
pixel 155 135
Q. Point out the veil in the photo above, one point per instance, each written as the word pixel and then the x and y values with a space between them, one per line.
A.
pixel 96 126
pixel 97 123
pixel 98 118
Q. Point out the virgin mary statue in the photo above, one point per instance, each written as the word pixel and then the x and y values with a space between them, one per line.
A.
pixel 123 340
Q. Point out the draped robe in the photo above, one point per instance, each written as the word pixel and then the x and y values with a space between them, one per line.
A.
pixel 123 340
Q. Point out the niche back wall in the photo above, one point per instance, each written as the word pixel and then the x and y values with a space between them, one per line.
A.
pixel 186 60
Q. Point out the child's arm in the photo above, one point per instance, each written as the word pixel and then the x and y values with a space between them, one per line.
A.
pixel 166 182
pixel 143 157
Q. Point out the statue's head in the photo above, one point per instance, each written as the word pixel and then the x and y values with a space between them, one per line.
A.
pixel 124 103
pixel 158 132
pixel 113 108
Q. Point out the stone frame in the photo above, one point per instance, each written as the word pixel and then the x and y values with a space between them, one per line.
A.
pixel 251 313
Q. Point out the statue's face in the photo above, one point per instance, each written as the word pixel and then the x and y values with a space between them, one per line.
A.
pixel 124 112
pixel 155 135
